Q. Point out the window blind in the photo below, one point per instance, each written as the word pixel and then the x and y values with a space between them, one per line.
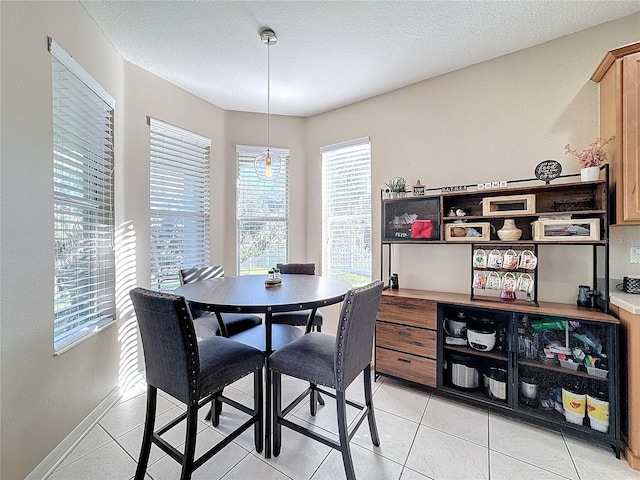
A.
pixel 346 211
pixel 179 202
pixel 84 263
pixel 262 213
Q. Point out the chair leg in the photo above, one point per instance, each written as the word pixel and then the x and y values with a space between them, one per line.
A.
pixel 277 412
pixel 215 410
pixel 149 423
pixel 343 433
pixel 313 400
pixel 190 445
pixel 368 399
pixel 257 407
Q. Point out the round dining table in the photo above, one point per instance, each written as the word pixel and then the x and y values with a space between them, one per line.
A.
pixel 250 294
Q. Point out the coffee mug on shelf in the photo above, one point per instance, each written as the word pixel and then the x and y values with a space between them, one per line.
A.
pixel 528 260
pixel 525 283
pixel 494 259
pixel 510 259
pixel 480 258
pixel 493 281
pixel 480 279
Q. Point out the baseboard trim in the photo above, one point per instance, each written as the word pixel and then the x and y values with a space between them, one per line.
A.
pixel 58 454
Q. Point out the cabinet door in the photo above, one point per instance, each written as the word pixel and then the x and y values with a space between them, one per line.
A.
pixel 565 372
pixel 631 137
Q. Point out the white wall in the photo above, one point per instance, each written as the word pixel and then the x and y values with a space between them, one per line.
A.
pixel 42 397
pixel 492 121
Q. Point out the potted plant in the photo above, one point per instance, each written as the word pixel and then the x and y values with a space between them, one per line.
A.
pixel 590 158
pixel 397 187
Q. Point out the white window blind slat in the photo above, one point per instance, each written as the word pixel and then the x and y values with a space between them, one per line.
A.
pixel 84 262
pixel 179 202
pixel 346 211
pixel 262 213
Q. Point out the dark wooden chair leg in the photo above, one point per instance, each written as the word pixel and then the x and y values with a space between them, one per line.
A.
pixel 368 398
pixel 277 412
pixel 190 445
pixel 257 406
pixel 216 409
pixel 149 424
pixel 343 434
pixel 313 400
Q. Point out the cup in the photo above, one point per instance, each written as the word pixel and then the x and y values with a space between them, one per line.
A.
pixel 598 413
pixel 575 406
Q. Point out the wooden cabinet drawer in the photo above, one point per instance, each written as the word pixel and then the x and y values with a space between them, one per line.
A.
pixel 417 341
pixel 408 311
pixel 409 367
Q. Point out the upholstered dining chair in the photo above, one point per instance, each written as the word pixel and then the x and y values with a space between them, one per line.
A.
pixel 241 327
pixel 333 362
pixel 207 323
pixel 298 318
pixel 192 372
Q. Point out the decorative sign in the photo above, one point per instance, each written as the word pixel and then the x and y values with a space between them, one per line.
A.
pixel 548 170
pixel 418 189
pixel 455 188
pixel 489 185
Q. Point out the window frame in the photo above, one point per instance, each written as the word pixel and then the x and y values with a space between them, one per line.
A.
pixel 360 224
pixel 259 193
pixel 83 203
pixel 179 202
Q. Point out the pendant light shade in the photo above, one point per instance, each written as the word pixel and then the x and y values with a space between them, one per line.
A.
pixel 268 163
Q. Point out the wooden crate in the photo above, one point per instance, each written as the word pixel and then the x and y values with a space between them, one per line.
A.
pixel 484 228
pixel 510 204
pixel 573 230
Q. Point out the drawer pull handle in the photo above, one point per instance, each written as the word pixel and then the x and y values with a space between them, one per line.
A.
pixel 404 334
pixel 404 360
pixel 405 306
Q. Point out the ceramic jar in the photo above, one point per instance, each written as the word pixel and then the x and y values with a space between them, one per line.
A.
pixel 509 232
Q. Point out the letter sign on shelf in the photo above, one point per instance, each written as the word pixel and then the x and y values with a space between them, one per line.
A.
pixel 548 170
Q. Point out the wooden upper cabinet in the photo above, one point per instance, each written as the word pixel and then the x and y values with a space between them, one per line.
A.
pixel 619 77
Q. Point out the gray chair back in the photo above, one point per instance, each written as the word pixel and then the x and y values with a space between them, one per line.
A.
pixel 188 275
pixel 297 268
pixel 169 343
pixel 354 338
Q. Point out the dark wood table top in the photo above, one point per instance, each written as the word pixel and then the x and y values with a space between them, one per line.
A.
pixel 247 293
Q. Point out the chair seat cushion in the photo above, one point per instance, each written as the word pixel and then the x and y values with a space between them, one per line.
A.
pixel 311 358
pixel 281 335
pixel 223 361
pixel 206 324
pixel 298 318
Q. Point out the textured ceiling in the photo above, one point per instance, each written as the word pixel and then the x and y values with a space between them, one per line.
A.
pixel 329 53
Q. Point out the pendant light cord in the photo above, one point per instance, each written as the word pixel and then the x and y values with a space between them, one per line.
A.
pixel 268 97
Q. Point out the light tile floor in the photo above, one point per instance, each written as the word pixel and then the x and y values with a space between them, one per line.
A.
pixel 422 436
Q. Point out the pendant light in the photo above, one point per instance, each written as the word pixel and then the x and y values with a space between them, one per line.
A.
pixel 267 164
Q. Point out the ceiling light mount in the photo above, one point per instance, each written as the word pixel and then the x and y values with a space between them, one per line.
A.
pixel 268 37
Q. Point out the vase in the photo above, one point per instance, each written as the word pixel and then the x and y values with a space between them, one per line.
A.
pixel 509 232
pixel 589 174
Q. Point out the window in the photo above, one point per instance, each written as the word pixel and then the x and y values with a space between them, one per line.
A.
pixel 179 202
pixel 262 213
pixel 84 262
pixel 346 211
